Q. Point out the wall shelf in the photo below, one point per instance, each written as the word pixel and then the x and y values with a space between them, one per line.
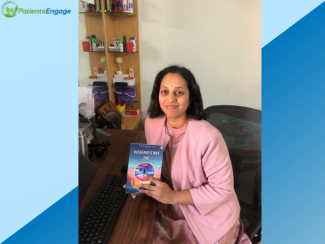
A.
pixel 105 25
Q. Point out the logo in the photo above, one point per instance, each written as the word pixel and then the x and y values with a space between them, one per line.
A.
pixel 9 9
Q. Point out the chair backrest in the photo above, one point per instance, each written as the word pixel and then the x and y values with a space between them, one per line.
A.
pixel 241 130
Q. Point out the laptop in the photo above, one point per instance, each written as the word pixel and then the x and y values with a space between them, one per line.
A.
pixel 87 172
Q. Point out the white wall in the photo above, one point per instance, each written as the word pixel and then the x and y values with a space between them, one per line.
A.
pixel 84 65
pixel 218 40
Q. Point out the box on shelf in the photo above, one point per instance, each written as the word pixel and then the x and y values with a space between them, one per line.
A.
pixel 131 82
pixel 121 76
pixel 125 95
pixel 100 77
pixel 100 94
pixel 133 106
pixel 132 113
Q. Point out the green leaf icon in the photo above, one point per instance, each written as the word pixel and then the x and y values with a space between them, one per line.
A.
pixel 11 12
pixel 9 15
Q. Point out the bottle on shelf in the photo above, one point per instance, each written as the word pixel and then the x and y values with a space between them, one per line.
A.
pixel 125 6
pixel 131 72
pixel 95 71
pixel 130 6
pixel 124 44
pixel 134 45
pixel 121 45
pixel 108 6
pixel 129 46
pixel 94 44
pixel 84 6
pixel 89 41
pixel 98 8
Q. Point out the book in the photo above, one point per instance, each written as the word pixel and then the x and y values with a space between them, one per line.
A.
pixel 143 159
pixel 131 113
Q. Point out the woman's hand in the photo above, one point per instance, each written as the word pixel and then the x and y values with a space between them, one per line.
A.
pixel 161 191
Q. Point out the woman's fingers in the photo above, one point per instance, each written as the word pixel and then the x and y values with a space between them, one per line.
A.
pixel 146 187
pixel 152 179
pixel 134 195
pixel 147 192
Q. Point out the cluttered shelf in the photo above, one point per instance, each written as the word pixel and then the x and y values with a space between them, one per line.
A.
pixel 113 8
pixel 132 115
pixel 123 90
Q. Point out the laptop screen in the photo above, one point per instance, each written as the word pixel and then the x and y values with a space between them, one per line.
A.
pixel 87 171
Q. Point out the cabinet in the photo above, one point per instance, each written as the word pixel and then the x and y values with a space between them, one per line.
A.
pixel 109 26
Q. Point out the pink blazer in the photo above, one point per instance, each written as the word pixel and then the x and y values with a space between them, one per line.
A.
pixel 201 164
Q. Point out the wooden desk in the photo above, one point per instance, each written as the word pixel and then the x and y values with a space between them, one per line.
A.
pixel 136 219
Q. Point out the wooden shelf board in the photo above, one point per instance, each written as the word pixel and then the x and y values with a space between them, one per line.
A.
pixel 125 86
pixel 91 13
pixel 120 14
pixel 94 51
pixel 121 52
pixel 132 123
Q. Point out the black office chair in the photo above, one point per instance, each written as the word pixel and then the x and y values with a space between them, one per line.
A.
pixel 241 130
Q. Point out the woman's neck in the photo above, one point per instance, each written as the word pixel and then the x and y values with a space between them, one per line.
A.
pixel 177 122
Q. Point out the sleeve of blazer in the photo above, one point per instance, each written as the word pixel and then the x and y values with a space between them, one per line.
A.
pixel 217 167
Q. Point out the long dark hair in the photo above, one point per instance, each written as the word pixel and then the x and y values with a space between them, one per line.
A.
pixel 195 111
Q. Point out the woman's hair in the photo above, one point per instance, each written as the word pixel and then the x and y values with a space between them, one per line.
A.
pixel 195 111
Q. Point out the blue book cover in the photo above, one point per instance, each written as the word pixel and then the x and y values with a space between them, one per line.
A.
pixel 143 159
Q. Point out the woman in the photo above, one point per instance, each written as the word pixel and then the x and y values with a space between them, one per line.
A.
pixel 197 178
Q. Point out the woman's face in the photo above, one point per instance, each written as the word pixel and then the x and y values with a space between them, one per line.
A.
pixel 174 96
